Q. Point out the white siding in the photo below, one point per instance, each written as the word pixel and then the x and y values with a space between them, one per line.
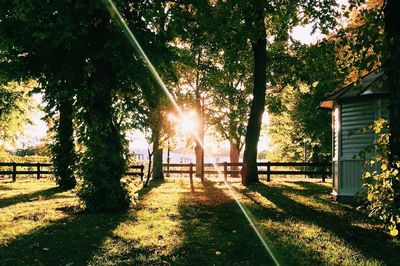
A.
pixel 355 117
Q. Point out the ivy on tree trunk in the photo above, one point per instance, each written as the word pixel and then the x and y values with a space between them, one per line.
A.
pixel 104 162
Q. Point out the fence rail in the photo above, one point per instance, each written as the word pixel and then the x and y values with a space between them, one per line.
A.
pixel 40 169
pixel 264 168
pixel 232 169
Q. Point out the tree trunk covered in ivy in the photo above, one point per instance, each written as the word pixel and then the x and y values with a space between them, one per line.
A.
pixel 249 170
pixel 63 150
pixel 104 161
pixel 158 151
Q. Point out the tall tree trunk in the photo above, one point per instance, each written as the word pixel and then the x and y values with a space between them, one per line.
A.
pixel 153 95
pixel 392 71
pixel 63 149
pixel 249 169
pixel 199 149
pixel 157 150
pixel 149 167
pixel 234 154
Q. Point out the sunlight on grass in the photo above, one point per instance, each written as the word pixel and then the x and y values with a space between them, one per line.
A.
pixel 153 228
pixel 27 206
pixel 314 203
pixel 23 187
pixel 256 200
pixel 314 244
pixel 176 222
pixel 306 225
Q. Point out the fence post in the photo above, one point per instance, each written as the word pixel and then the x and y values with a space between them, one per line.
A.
pixel 191 171
pixel 141 172
pixel 38 171
pixel 268 172
pixel 225 171
pixel 14 172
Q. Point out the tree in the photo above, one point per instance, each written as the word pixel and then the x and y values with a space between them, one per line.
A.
pixel 158 14
pixel 249 170
pixel 33 52
pixel 155 122
pixel 392 71
pixel 297 126
pixel 391 66
pixel 262 12
pixel 63 148
pixel 229 100
pixel 14 108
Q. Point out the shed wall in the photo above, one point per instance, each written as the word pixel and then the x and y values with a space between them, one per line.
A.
pixel 354 116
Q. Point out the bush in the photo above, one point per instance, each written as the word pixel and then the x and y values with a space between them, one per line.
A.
pixel 382 183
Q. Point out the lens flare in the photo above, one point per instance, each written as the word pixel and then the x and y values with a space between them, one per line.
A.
pixel 132 39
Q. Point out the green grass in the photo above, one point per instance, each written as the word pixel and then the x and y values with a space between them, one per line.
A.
pixel 178 223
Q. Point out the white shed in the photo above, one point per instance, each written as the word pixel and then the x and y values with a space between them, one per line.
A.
pixel 353 108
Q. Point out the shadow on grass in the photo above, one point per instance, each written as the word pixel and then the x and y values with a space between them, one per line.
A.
pixel 2 187
pixel 215 232
pixel 28 197
pixel 71 241
pixel 362 239
pixel 153 183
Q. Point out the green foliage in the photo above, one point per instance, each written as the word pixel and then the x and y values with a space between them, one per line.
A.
pixel 42 149
pixel 77 52
pixel 6 157
pixel 103 163
pixel 15 104
pixel 380 183
pixel 296 123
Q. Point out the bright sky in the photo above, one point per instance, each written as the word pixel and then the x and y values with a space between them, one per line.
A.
pixel 303 34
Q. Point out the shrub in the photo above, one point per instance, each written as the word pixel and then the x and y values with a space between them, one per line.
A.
pixel 381 182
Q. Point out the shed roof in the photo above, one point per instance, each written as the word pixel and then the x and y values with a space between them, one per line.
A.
pixel 357 89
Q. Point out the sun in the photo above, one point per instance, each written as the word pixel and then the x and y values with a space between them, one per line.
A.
pixel 188 123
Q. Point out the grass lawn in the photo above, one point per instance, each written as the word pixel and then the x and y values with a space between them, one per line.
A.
pixel 178 223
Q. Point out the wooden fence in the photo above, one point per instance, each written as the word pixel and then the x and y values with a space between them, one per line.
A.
pixel 138 170
pixel 40 169
pixel 232 169
pixel 264 168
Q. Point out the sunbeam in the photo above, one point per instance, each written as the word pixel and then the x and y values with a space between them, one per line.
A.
pixel 115 13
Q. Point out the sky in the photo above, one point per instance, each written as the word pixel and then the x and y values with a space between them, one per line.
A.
pixel 303 34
